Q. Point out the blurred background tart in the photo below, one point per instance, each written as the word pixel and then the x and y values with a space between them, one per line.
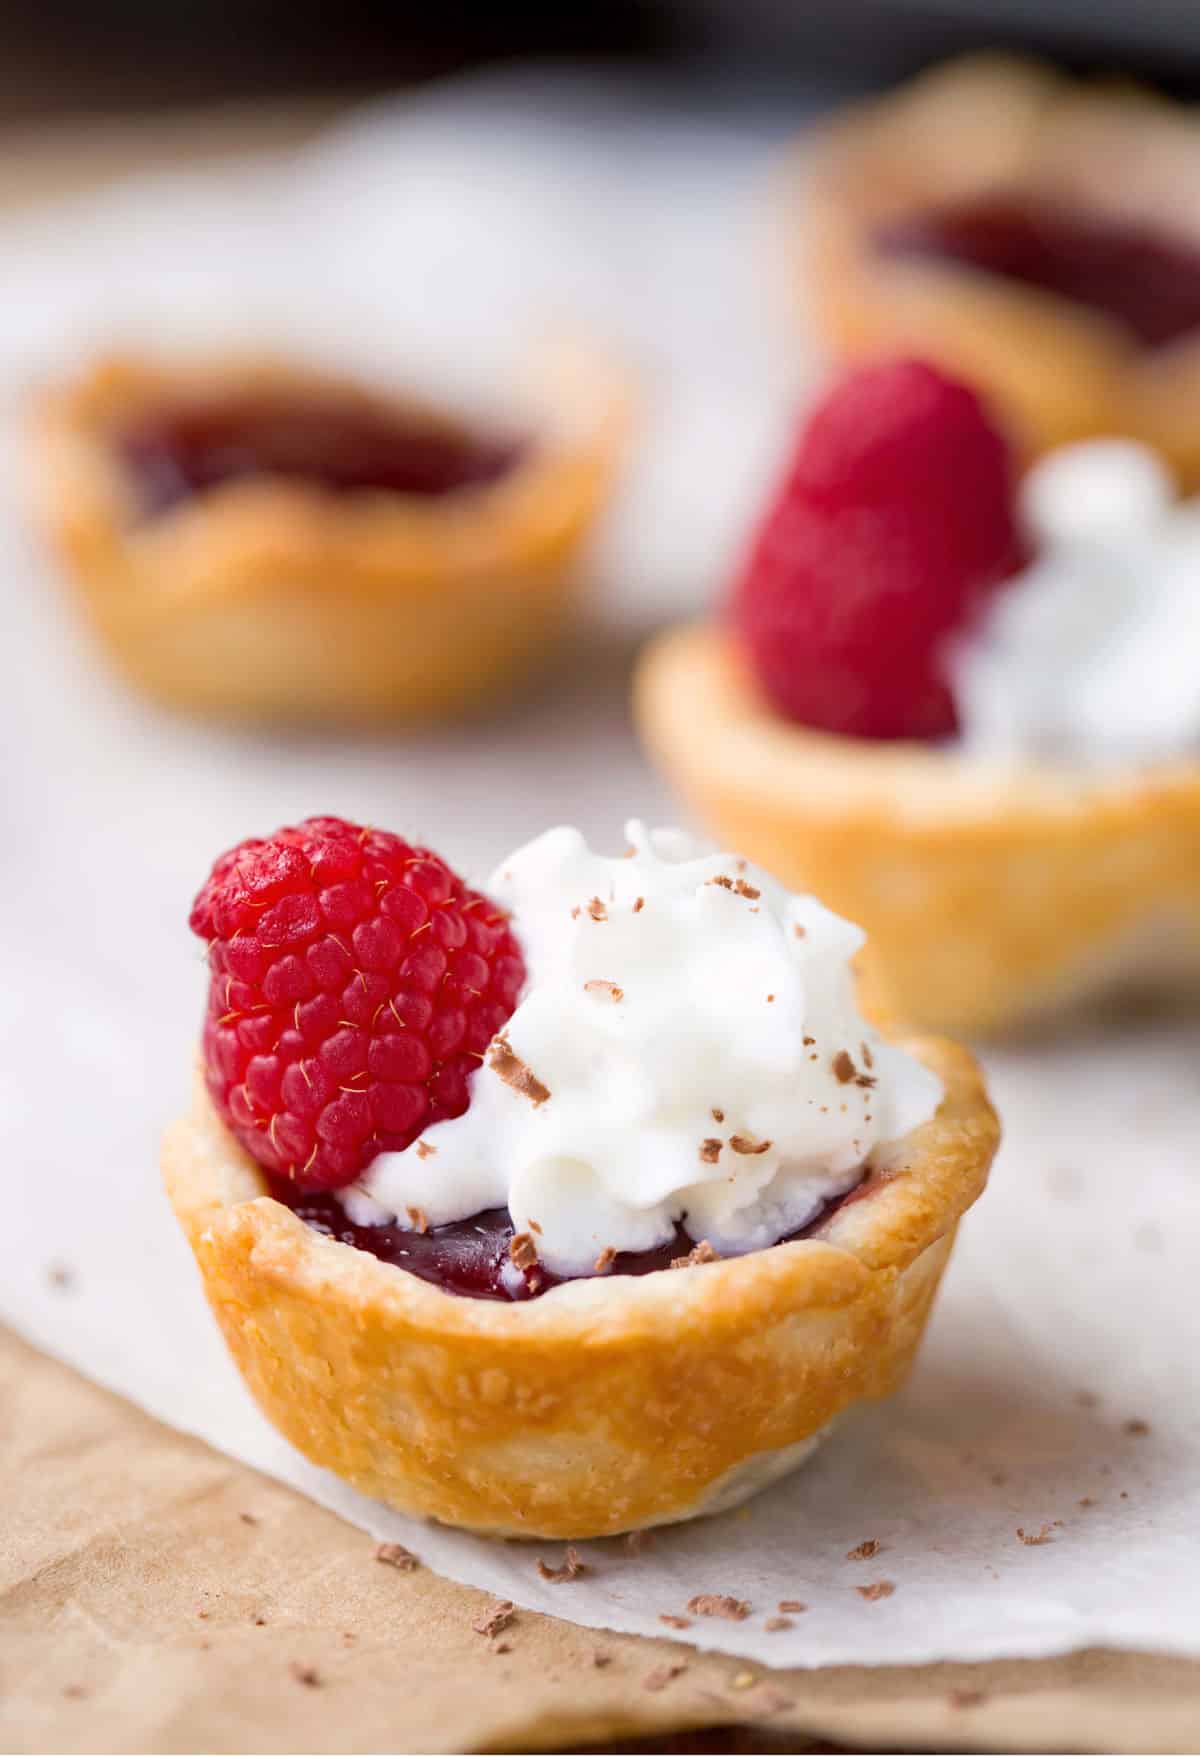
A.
pixel 1036 234
pixel 964 714
pixel 261 539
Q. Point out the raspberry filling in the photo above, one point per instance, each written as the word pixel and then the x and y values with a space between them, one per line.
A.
pixel 470 1257
pixel 345 448
pixel 1146 281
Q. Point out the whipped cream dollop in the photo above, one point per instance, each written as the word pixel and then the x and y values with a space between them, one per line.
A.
pixel 1091 656
pixel 687 1048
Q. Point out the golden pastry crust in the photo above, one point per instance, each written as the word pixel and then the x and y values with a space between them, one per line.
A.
pixel 1057 370
pixel 988 896
pixel 607 1404
pixel 268 598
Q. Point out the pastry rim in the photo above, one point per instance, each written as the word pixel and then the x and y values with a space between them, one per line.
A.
pixel 916 1190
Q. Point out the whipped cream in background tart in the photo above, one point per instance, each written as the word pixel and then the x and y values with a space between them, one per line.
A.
pixel 687 1048
pixel 1092 654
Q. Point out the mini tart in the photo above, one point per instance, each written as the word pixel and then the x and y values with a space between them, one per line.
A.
pixel 270 597
pixel 607 1404
pixel 1058 369
pixel 989 896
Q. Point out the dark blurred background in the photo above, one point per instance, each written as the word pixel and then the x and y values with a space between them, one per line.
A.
pixel 144 55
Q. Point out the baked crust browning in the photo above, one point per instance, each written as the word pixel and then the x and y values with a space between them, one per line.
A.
pixel 1058 370
pixel 607 1404
pixel 268 598
pixel 989 896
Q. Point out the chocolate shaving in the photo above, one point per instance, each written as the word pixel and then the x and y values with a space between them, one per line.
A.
pixel 843 1068
pixel 397 1556
pixel 1033 1539
pixel 417 1219
pixel 776 1624
pixel 662 1675
pixel 424 1150
pixel 748 1148
pixel 606 1257
pixel 499 1617
pixel 717 1115
pixel 729 1609
pixel 864 1551
pixel 639 905
pixel 509 1067
pixel 597 910
pixel 676 1621
pixel 599 987
pixel 710 1151
pixel 571 1568
pixel 697 1256
pixel 873 1593
pixel 791 1606
pixel 747 890
pixel 522 1251
pixel 725 883
pixel 868 1059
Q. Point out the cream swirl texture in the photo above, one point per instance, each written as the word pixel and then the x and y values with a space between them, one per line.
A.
pixel 1091 657
pixel 687 1048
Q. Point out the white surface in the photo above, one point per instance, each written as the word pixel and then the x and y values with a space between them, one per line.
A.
pixel 1076 1274
pixel 679 992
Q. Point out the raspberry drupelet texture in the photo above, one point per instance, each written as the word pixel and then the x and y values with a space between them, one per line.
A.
pixel 895 517
pixel 356 983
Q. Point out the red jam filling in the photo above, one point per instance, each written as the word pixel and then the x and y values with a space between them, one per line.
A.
pixel 470 1257
pixel 344 448
pixel 1145 280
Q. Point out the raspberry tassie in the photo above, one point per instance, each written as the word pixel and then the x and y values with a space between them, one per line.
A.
pixel 961 710
pixel 577 1204
pixel 261 540
pixel 1035 234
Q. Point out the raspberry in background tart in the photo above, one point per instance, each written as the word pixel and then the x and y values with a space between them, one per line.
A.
pixel 683 1208
pixel 1029 232
pixel 960 709
pixel 261 540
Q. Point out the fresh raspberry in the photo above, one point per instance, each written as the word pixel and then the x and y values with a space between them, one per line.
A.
pixel 356 984
pixel 895 517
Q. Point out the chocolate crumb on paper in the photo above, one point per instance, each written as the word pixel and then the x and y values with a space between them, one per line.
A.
pixel 711 1603
pixel 397 1556
pixel 661 1675
pixel 742 1143
pixel 697 1256
pixel 496 1619
pixel 710 1151
pixel 571 1568
pixel 675 1621
pixel 522 1250
pixel 1033 1539
pixel 417 1219
pixel 791 1606
pixel 864 1551
pixel 507 1065
pixel 882 1588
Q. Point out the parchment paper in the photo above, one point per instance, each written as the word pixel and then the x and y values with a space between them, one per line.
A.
pixel 1060 1369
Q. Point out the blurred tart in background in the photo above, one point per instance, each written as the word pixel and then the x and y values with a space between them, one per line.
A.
pixel 966 714
pixel 1039 236
pixel 257 539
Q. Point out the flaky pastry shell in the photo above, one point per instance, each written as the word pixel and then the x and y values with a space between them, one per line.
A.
pixel 269 598
pixel 1057 370
pixel 607 1404
pixel 989 895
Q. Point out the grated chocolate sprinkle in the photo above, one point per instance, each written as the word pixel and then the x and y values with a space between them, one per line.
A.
pixel 522 1251
pixel 397 1556
pixel 1033 1539
pixel 864 1550
pixel 748 1148
pixel 710 1151
pixel 697 1256
pixel 417 1219
pixel 571 1568
pixel 597 910
pixel 496 1619
pixel 881 1588
pixel 605 1259
pixel 424 1150
pixel 729 1609
pixel 843 1068
pixel 599 987
pixel 509 1067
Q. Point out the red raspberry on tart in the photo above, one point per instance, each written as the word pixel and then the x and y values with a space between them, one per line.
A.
pixel 356 982
pixel 895 517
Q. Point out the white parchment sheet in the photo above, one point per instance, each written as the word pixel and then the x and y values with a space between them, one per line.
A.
pixel 1058 1386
